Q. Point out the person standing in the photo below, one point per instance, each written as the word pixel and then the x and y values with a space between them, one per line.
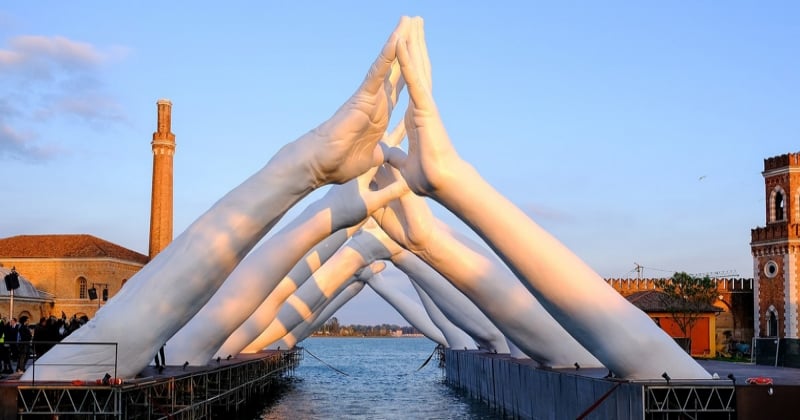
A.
pixel 5 356
pixel 23 343
pixel 11 332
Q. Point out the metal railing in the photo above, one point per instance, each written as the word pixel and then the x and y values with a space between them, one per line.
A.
pixel 110 345
pixel 197 395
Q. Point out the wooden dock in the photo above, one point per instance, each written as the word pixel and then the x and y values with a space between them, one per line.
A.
pixel 520 389
pixel 225 387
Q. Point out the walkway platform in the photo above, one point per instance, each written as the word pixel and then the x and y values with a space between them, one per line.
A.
pixel 227 386
pixel 520 389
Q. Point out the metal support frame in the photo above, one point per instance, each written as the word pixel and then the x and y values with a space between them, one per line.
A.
pixel 688 401
pixel 195 395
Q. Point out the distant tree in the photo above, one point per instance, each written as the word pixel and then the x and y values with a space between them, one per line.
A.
pixel 332 326
pixel 686 297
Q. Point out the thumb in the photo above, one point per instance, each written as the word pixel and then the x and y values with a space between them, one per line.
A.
pixel 379 198
pixel 394 156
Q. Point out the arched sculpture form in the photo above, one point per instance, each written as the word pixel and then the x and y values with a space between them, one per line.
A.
pixel 311 297
pixel 410 310
pixel 334 202
pixel 325 281
pixel 260 272
pixel 602 320
pixel 258 322
pixel 460 311
pixel 456 337
pixel 320 316
pixel 479 276
pixel 170 289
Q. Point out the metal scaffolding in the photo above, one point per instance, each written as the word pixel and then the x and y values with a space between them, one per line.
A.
pixel 225 388
pixel 689 401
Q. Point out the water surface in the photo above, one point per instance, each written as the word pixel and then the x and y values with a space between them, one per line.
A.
pixel 381 382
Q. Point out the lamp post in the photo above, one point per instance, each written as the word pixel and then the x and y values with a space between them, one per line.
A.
pixel 93 292
pixel 12 282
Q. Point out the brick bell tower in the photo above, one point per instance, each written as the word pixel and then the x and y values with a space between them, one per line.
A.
pixel 161 200
pixel 775 249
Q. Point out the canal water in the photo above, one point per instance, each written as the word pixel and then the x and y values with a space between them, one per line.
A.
pixel 371 378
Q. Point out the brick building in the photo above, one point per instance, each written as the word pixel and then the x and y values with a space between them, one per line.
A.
pixel 735 318
pixel 67 267
pixel 78 272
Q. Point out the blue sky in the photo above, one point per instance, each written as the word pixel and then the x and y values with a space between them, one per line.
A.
pixel 632 131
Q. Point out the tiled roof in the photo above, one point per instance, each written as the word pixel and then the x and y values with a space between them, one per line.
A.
pixel 65 246
pixel 656 301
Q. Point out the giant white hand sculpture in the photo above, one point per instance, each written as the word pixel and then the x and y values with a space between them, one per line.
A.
pixel 411 311
pixel 325 281
pixel 594 313
pixel 170 289
pixel 344 199
pixel 258 322
pixel 320 316
pixel 329 280
pixel 259 273
pixel 456 337
pixel 454 304
pixel 476 274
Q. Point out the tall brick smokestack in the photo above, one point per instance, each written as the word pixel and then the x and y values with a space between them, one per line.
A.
pixel 161 200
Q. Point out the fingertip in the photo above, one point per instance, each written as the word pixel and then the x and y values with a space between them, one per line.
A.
pixel 394 156
pixel 380 198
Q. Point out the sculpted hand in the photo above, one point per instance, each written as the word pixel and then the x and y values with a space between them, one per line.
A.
pixel 407 220
pixel 432 162
pixel 345 146
pixel 350 203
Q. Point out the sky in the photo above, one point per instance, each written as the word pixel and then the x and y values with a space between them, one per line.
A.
pixel 634 132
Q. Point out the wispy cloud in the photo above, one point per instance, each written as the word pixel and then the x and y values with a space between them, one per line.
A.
pixel 41 56
pixel 48 78
pixel 21 146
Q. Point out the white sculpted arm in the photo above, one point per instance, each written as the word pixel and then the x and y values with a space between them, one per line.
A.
pixel 320 316
pixel 453 304
pixel 261 271
pixel 480 277
pixel 411 311
pixel 594 313
pixel 179 281
pixel 456 337
pixel 258 322
pixel 456 308
pixel 329 280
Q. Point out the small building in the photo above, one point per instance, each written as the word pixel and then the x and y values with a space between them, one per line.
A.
pixel 702 334
pixel 78 273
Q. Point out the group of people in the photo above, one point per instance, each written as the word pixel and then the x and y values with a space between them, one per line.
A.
pixel 19 340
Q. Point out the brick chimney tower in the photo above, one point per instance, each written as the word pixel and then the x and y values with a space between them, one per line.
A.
pixel 161 199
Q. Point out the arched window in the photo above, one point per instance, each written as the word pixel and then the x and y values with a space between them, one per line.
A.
pixel 82 288
pixel 772 323
pixel 779 206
